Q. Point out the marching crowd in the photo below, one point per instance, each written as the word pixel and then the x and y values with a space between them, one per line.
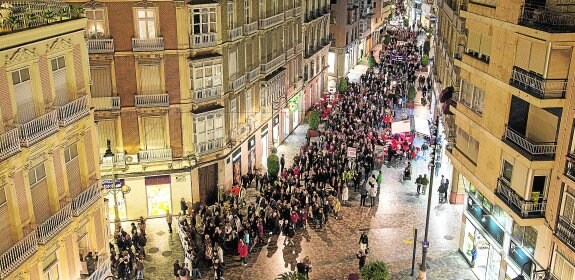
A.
pixel 308 193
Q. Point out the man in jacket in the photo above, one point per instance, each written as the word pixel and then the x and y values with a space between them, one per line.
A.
pixel 363 193
pixel 372 195
pixel 424 182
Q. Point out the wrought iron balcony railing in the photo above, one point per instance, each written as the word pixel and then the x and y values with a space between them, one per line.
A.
pixel 106 103
pixel 56 223
pixel 536 85
pixel 155 155
pixel 39 128
pixel 556 19
pixel 83 201
pixel 73 111
pixel 534 149
pixel 566 231
pixel 152 100
pixel 18 254
pixel 100 45
pixel 147 44
pixel 523 208
pixel 9 143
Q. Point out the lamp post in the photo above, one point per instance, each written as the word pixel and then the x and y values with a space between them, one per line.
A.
pixel 423 268
pixel 110 157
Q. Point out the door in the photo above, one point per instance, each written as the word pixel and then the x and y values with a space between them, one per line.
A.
pixel 286 124
pixel 208 178
pixel 264 149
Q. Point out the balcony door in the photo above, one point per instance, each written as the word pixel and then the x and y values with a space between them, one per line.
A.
pixel 154 133
pixel 23 95
pixel 146 23
pixel 60 81
pixel 150 82
pixel 101 81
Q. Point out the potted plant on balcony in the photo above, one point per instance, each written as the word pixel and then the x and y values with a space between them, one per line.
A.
pixel 76 11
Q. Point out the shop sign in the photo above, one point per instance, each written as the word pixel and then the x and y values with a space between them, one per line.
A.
pixel 292 105
pixel 108 183
pixel 351 152
pixel 236 154
pixel 264 131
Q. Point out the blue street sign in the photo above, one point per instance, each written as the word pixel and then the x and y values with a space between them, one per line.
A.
pixel 425 244
pixel 108 183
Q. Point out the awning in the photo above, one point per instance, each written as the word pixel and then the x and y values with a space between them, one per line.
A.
pixel 420 126
pixel 401 127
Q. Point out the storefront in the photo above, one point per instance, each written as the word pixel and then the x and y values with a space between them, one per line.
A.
pixel 252 154
pixel 109 196
pixel 276 130
pixel 265 144
pixel 286 123
pixel 237 166
pixel 293 106
pixel 158 195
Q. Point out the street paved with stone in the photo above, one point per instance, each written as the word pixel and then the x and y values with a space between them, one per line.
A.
pixel 390 226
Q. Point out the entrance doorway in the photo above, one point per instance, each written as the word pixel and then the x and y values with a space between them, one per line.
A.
pixel 159 200
pixel 208 178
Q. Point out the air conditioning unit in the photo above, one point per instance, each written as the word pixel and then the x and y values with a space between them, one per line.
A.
pixel 131 159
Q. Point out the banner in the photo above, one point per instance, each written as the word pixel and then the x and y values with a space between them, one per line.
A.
pixel 351 152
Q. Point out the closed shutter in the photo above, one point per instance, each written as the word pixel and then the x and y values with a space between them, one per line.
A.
pixel 473 41
pixel 60 86
pixel 486 45
pixel 154 131
pixel 59 169
pixel 538 57
pixel 24 101
pixel 41 201
pixel 5 231
pixel 101 81
pixel 73 172
pixel 150 79
pixel 21 196
pixel 107 131
pixel 559 64
pixel 523 53
pixel 88 149
pixel 100 235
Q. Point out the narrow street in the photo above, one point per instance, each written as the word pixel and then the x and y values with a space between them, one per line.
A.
pixel 390 226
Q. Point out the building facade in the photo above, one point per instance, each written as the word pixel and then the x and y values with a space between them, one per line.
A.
pixel 511 63
pixel 51 207
pixel 191 94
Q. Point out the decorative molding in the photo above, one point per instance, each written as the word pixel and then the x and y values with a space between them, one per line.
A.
pixel 60 44
pixel 93 4
pixel 20 56
pixel 180 3
pixel 145 4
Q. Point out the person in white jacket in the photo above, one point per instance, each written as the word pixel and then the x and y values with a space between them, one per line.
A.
pixel 372 194
pixel 345 194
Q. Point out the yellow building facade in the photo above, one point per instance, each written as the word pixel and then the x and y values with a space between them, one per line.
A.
pixel 50 197
pixel 510 63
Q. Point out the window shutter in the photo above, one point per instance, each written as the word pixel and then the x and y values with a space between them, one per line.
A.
pixel 485 45
pixel 41 201
pixel 522 53
pixel 569 208
pixel 473 41
pixel 60 86
pixel 150 79
pixel 559 64
pixel 538 57
pixel 107 131
pixel 101 82
pixel 24 101
pixel 73 173
pixel 154 132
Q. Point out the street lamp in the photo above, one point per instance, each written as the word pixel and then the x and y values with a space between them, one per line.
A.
pixel 110 158
pixel 520 276
pixel 423 267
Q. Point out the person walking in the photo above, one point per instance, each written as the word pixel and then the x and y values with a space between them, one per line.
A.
pixel 243 251
pixel 418 183
pixel 363 242
pixel 91 262
pixel 345 194
pixel 177 268
pixel 183 206
pixel 282 163
pixel 361 256
pixel 363 193
pixel 437 166
pixel 169 219
pixel 379 179
pixel 139 269
pixel 424 182
pixel 372 195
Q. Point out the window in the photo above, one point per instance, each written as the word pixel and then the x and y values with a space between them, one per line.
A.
pixel 568 212
pixel 479 45
pixel 207 74
pixel 146 23
pixel 467 145
pixel 50 267
pixel 263 102
pixel 233 63
pixel 507 170
pixel 531 55
pixel 154 133
pixel 562 268
pixel 96 27
pixel 204 20
pixel 262 9
pixel 525 236
pixel 233 113
pixel 101 81
pixel 150 79
pixel 231 15
pixel 60 80
pixel 23 94
pixel 247 11
pixel 2 195
pixel 71 152
pixel 275 7
pixel 209 131
pixel 472 96
pixel 249 102
pixel 36 174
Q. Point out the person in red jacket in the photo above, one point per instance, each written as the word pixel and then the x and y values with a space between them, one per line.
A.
pixel 243 251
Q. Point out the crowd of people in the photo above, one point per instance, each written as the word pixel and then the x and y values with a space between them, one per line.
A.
pixel 309 192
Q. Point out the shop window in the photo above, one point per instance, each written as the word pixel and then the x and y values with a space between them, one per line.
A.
pixel 507 171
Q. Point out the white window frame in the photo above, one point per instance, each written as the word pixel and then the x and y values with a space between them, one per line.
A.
pixel 205 15
pixel 214 66
pixel 95 23
pixel 211 125
pixel 571 215
pixel 233 113
pixel 147 19
pixel 247 11
pixel 34 176
pixel 70 152
pixel 21 77
pixel 558 257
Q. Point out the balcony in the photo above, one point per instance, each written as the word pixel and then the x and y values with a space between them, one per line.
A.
pixel 271 21
pixel 530 149
pixel 73 111
pixel 290 52
pixel 253 74
pixel 119 160
pixel 297 11
pixel 524 208
pixel 310 16
pixel 207 94
pixel 9 143
pixel 239 83
pixel 566 232
pixel 102 272
pixel 209 146
pixel 106 103
pixel 148 44
pixel 251 28
pixel 240 133
pixel 51 227
pixel 537 86
pixel 570 166
pixel 288 13
pixel 100 46
pixel 559 20
pixel 83 201
pixel 155 155
pixel 38 128
pixel 18 254
pixel 31 14
pixel 298 48
pixel 273 64
pixel 236 33
pixel 152 100
pixel 204 40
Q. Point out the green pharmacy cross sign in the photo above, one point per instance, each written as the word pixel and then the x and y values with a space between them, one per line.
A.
pixel 292 103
